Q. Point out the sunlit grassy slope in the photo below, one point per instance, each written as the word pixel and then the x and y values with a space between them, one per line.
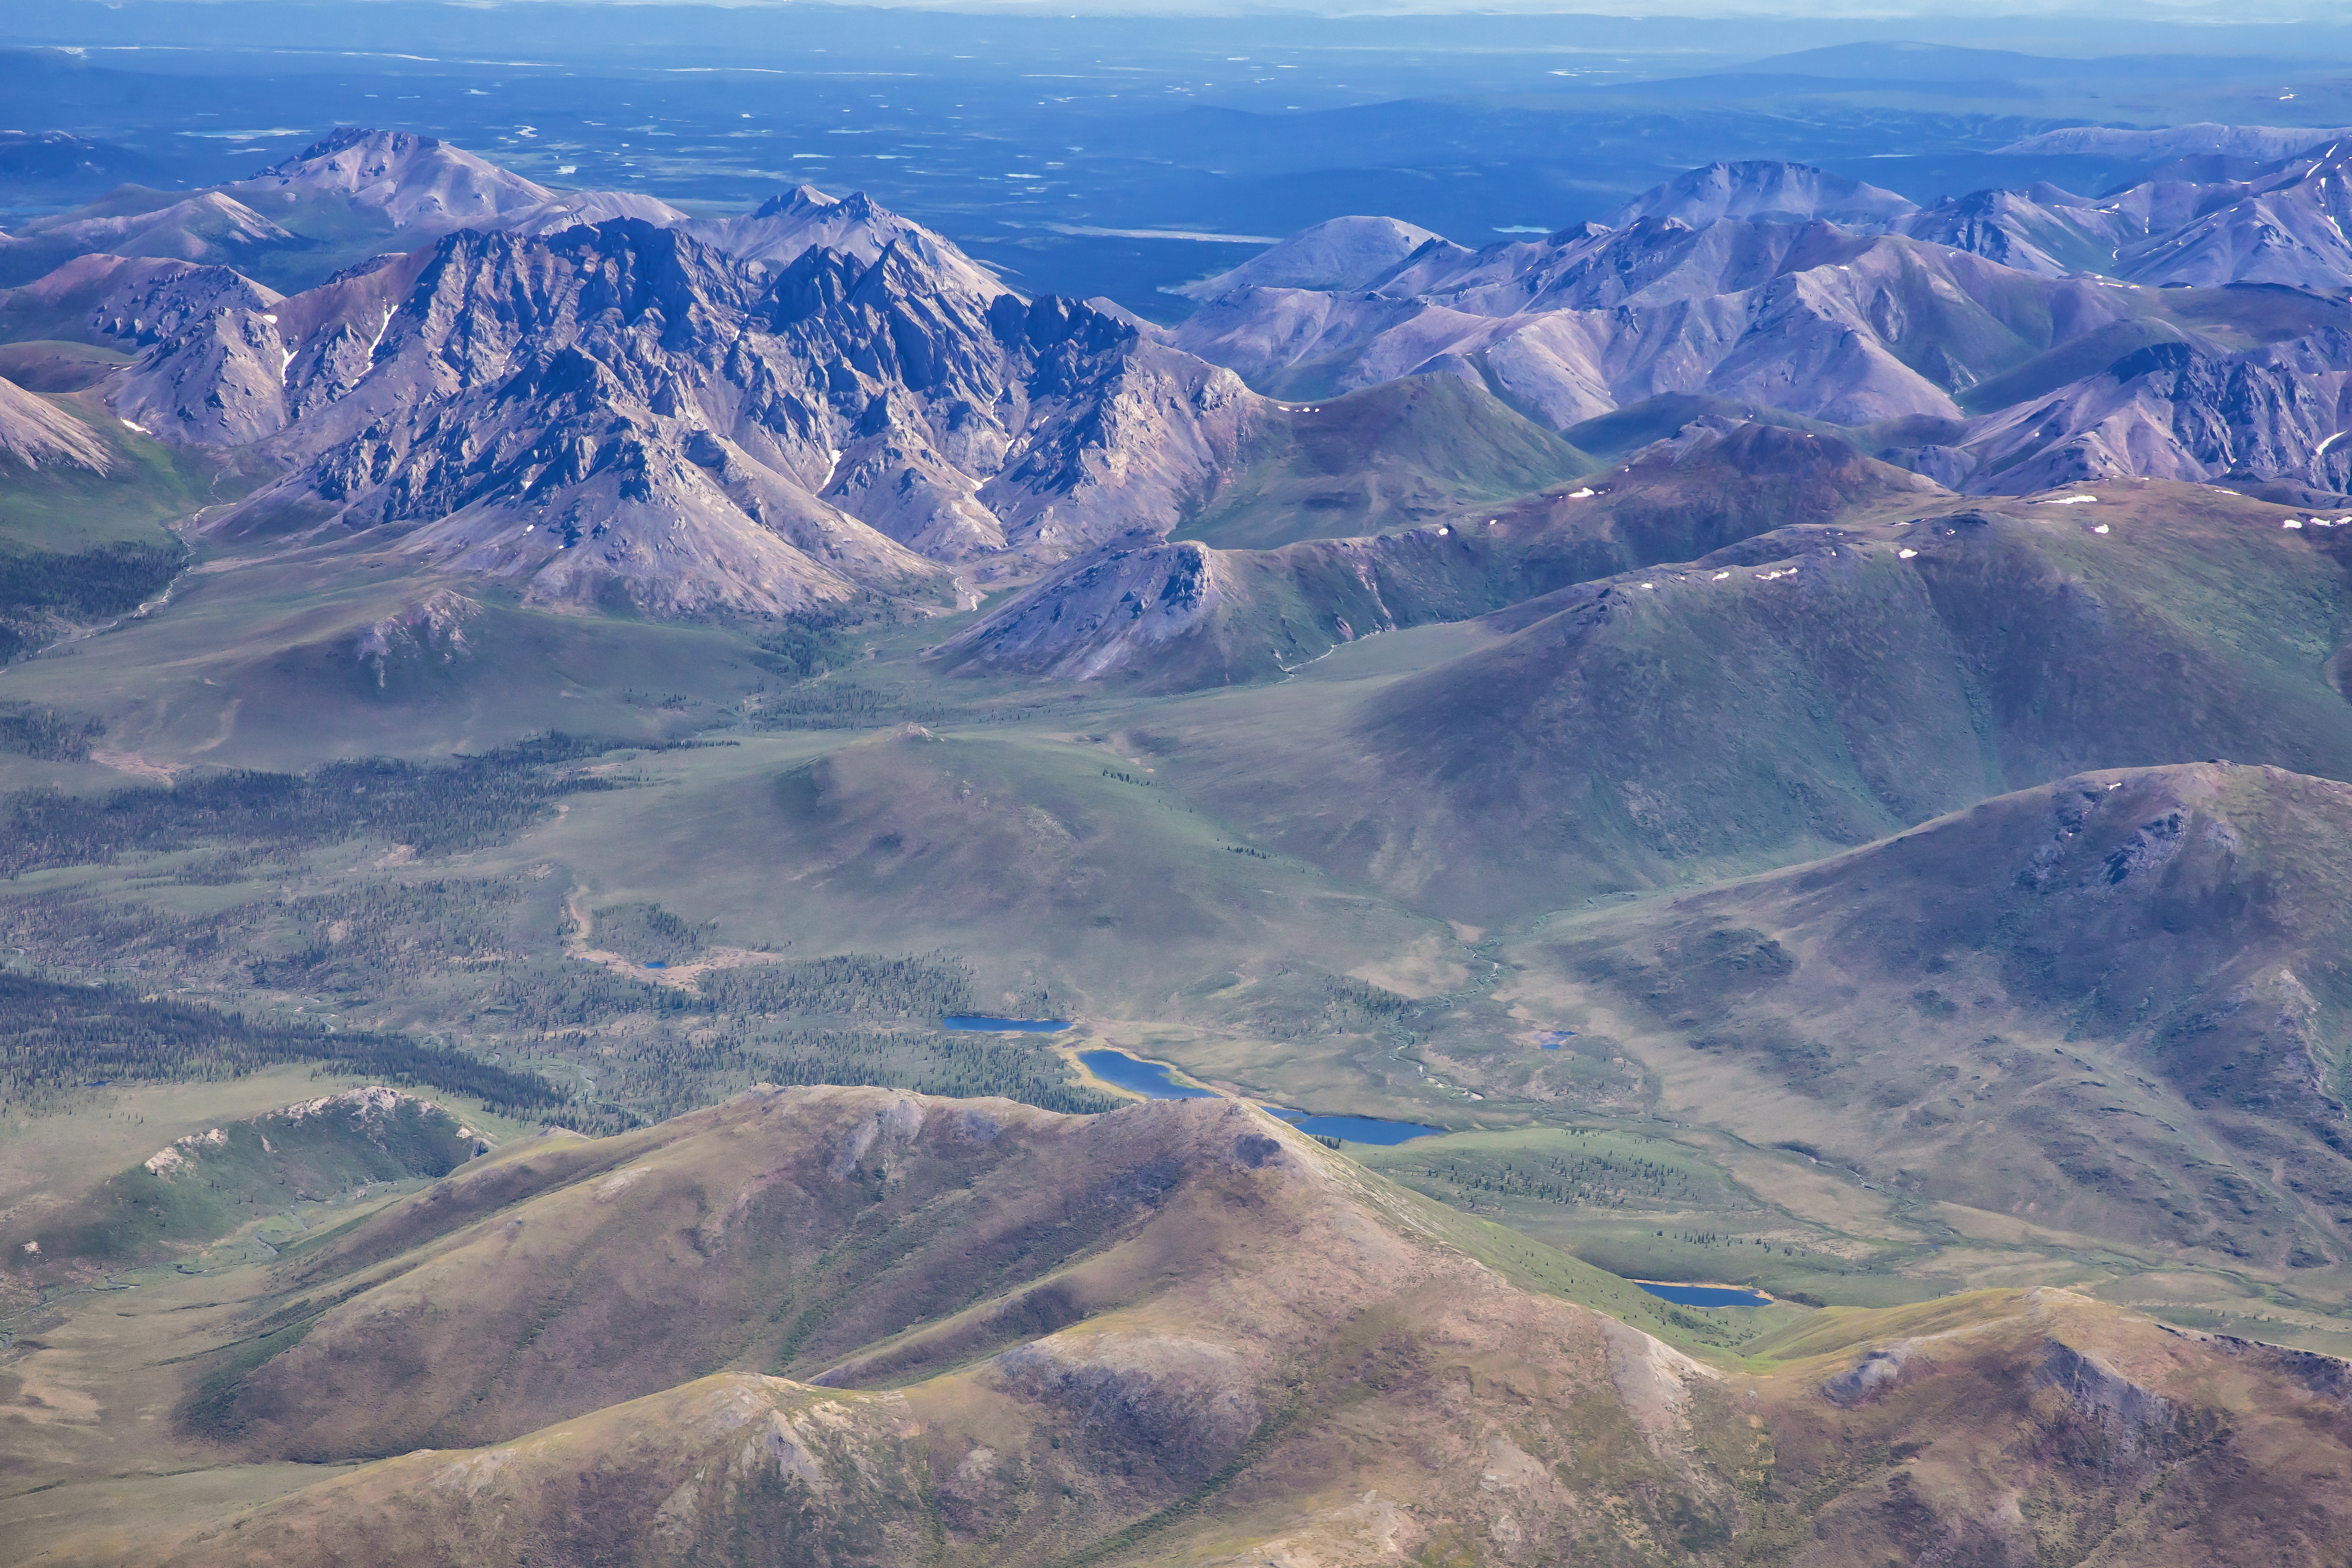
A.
pixel 1170 1334
pixel 201 1186
pixel 330 650
pixel 2110 1008
pixel 1389 456
pixel 1807 688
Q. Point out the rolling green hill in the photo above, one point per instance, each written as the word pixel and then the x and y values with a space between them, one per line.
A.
pixel 2114 1007
pixel 1061 864
pixel 1163 618
pixel 285 658
pixel 1389 456
pixel 203 1186
pixel 1808 689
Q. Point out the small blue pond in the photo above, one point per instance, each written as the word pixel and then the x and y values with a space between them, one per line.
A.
pixel 1706 1295
pixel 1555 1039
pixel 1358 1129
pixel 657 964
pixel 1147 1078
pixel 976 1023
pixel 1153 1081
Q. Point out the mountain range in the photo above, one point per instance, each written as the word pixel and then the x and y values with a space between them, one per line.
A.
pixel 945 925
pixel 813 401
pixel 820 398
pixel 1998 343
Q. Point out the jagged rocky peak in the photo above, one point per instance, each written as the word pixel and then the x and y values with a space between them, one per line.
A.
pixel 2047 231
pixel 795 222
pixel 2285 226
pixel 410 182
pixel 147 302
pixel 2179 411
pixel 627 405
pixel 1767 190
pixel 210 364
pixel 805 203
pixel 1341 253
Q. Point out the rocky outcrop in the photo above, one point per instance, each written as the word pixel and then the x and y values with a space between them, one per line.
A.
pixel 36 434
pixel 212 363
pixel 430 632
pixel 2177 410
pixel 1104 615
pixel 1767 190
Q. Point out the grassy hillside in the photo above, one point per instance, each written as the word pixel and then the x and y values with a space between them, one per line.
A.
pixel 1176 618
pixel 68 510
pixel 1063 868
pixel 203 1186
pixel 79 547
pixel 1618 434
pixel 2112 1007
pixel 329 650
pixel 1705 483
pixel 1390 457
pixel 52 364
pixel 1807 688
pixel 1237 1342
